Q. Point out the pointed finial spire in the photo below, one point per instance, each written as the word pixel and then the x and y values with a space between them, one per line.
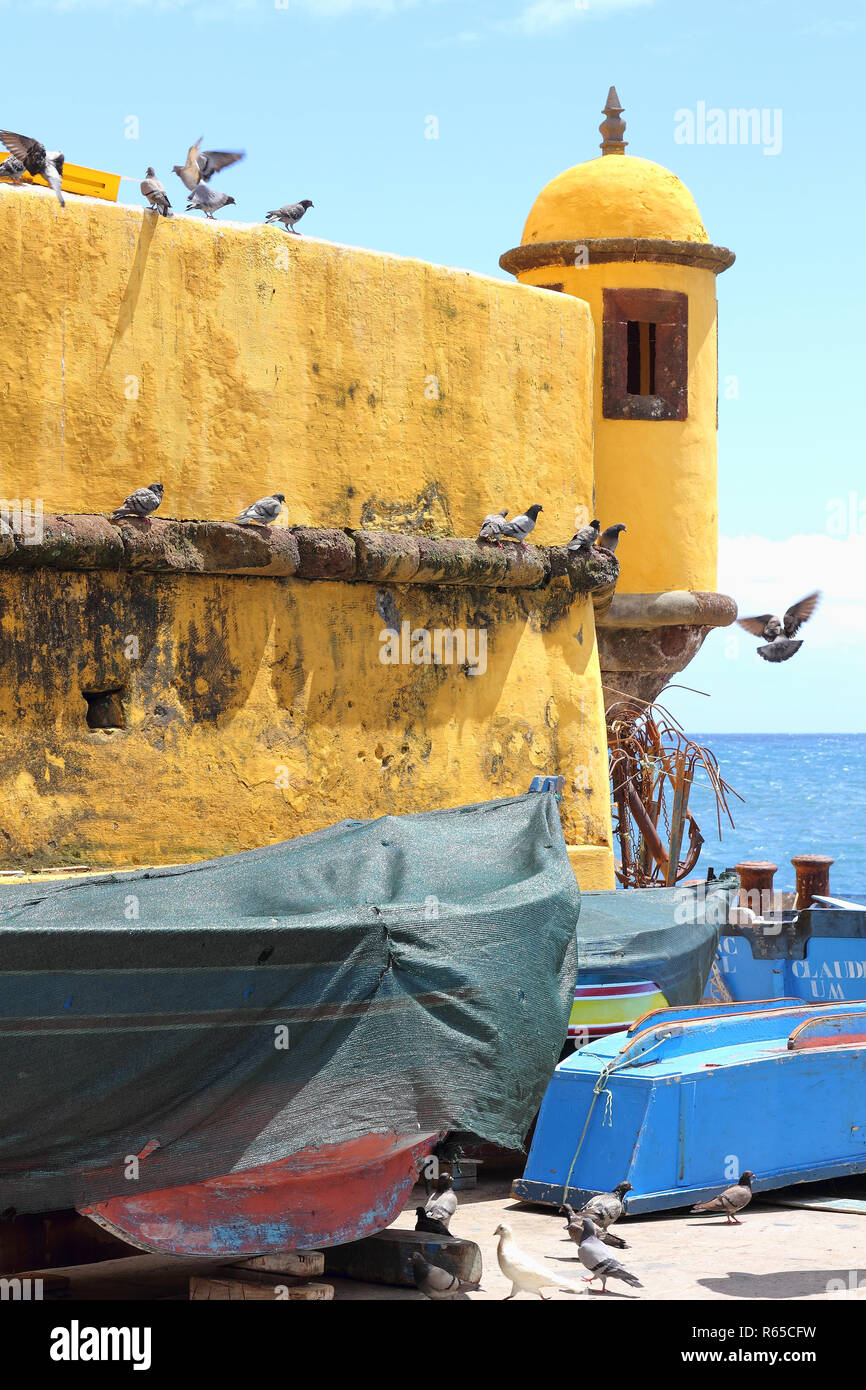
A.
pixel 613 128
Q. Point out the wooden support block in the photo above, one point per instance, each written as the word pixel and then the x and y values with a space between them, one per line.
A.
pixel 306 1263
pixel 216 1288
pixel 386 1257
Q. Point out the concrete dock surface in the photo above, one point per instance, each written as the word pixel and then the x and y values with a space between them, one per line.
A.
pixel 776 1253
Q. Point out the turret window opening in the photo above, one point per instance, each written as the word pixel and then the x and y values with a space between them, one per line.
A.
pixel 641 368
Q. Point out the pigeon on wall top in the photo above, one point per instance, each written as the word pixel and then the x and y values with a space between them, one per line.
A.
pixel 47 164
pixel 609 538
pixel 778 632
pixel 522 526
pixel 263 512
pixel 207 200
pixel 289 214
pixel 155 193
pixel 140 503
pixel 491 527
pixel 583 540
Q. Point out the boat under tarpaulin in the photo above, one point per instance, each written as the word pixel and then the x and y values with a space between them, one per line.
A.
pixel 251 1053
pixel 644 948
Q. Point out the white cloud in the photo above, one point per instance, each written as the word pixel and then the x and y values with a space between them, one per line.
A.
pixel 542 16
pixel 766 576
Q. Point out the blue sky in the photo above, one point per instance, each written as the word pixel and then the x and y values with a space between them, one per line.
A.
pixel 330 98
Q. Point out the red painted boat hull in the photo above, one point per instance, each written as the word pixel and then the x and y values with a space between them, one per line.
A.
pixel 316 1198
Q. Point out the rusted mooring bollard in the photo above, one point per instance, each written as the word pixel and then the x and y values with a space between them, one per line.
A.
pixel 756 885
pixel 813 877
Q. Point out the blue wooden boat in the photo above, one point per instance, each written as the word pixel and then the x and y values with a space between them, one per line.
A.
pixel 687 1097
pixel 818 954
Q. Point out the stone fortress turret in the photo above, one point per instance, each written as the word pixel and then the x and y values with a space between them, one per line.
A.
pixel 625 235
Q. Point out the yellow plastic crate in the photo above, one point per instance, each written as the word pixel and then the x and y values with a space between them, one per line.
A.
pixel 94 183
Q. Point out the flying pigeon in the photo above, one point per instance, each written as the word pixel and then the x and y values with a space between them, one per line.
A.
pixel 574 1226
pixel 431 1224
pixel 263 512
pixel 524 1271
pixel 521 526
pixel 595 1258
pixel 491 527
pixel 437 1283
pixel 289 214
pixel 606 1207
pixel 207 200
pixel 141 502
pixel 156 194
pixel 777 632
pixel 609 538
pixel 733 1199
pixel 201 165
pixel 583 540
pixel 442 1204
pixel 12 169
pixel 48 164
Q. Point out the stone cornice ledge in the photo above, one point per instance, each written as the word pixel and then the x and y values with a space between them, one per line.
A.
pixel 536 255
pixel 673 608
pixel 78 543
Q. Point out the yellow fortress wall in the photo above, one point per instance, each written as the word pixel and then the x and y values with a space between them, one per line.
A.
pixel 228 362
pixel 232 361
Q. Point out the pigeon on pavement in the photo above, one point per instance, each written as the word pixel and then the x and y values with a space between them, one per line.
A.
pixel 47 164
pixel 521 526
pixel 491 527
pixel 609 538
pixel 777 632
pixel 574 1226
pixel 155 193
pixel 431 1224
pixel 207 200
pixel 524 1271
pixel 583 540
pixel 12 168
pixel 442 1203
pixel 289 214
pixel 436 1283
pixel 606 1207
pixel 201 165
pixel 141 502
pixel 263 512
pixel 594 1257
pixel 732 1200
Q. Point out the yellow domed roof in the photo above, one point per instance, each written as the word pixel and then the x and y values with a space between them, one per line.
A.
pixel 617 195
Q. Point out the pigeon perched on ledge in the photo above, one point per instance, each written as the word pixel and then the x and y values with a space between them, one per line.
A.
pixel 289 214
pixel 522 526
pixel 155 193
pixel 207 200
pixel 583 540
pixel 491 527
pixel 777 632
pixel 46 164
pixel 609 538
pixel 12 169
pixel 263 512
pixel 442 1203
pixel 140 503
pixel 732 1200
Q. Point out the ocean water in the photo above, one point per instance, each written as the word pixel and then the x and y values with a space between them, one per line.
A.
pixel 804 794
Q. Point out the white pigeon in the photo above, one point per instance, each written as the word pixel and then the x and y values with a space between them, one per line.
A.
pixel 526 1273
